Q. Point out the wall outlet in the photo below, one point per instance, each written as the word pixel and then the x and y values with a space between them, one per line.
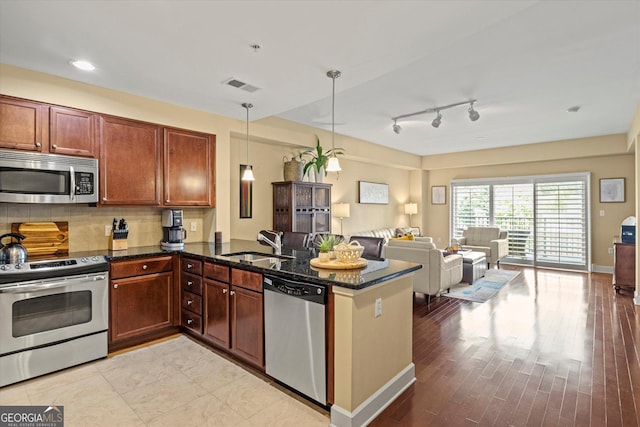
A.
pixel 107 230
pixel 378 309
pixel 194 226
pixel 601 212
pixel 610 251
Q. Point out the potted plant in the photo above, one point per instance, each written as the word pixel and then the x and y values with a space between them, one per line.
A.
pixel 325 245
pixel 318 159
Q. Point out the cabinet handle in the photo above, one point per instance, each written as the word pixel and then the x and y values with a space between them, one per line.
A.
pixel 167 201
pixel 232 293
pixel 144 267
pixel 54 146
pixel 224 291
pixel 115 286
pixel 189 302
pixel 189 265
pixel 189 283
pixel 38 145
pixel 104 199
pixel 189 321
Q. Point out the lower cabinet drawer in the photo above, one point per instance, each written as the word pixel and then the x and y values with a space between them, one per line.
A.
pixel 192 321
pixel 191 283
pixel 192 302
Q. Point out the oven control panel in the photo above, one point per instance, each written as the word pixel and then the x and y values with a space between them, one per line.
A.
pixel 52 268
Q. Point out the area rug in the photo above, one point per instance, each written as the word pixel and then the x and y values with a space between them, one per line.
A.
pixel 484 288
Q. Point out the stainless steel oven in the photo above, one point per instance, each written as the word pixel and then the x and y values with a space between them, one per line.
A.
pixel 53 315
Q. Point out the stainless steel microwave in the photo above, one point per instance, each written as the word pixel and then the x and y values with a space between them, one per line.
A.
pixel 47 178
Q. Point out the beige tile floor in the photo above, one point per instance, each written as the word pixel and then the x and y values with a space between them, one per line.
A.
pixel 176 382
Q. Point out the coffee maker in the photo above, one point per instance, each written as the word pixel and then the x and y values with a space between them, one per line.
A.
pixel 173 233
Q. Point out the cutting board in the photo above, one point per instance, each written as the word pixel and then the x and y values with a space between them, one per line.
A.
pixel 334 264
pixel 43 238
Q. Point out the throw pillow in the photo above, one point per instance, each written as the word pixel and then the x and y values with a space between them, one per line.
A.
pixel 407 236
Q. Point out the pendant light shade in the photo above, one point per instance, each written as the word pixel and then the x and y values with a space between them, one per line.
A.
pixel 333 165
pixel 247 175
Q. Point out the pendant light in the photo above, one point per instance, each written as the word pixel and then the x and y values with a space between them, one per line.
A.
pixel 247 175
pixel 333 165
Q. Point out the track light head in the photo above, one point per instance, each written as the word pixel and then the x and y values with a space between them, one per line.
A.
pixel 396 128
pixel 437 121
pixel 473 114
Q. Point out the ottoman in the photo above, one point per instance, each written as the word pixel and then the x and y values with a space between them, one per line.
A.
pixel 474 265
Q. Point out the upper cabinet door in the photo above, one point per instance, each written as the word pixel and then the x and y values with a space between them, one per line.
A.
pixel 188 168
pixel 130 162
pixel 72 132
pixel 23 125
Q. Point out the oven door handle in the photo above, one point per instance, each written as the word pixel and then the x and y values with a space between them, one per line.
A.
pixel 49 285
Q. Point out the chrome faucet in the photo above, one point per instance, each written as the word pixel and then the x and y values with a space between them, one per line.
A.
pixel 276 243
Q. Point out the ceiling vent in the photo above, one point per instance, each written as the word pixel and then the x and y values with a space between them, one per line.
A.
pixel 240 85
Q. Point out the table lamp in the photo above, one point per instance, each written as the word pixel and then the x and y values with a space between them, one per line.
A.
pixel 410 209
pixel 341 210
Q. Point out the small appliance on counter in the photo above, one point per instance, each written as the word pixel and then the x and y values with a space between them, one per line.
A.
pixel 173 233
pixel 628 231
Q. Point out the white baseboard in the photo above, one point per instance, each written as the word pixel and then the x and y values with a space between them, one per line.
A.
pixel 601 269
pixel 376 403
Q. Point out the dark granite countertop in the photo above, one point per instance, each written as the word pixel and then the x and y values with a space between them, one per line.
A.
pixel 376 271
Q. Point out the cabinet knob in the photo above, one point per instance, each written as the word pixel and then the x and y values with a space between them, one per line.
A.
pixel 232 293
pixel 189 283
pixel 144 267
pixel 189 321
pixel 104 199
pixel 189 302
pixel 54 146
pixel 38 145
pixel 189 265
pixel 167 201
pixel 224 291
pixel 115 286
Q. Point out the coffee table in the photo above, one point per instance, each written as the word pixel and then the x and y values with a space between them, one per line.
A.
pixel 474 265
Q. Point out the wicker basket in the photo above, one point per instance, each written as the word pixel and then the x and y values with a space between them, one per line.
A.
pixel 293 169
pixel 348 252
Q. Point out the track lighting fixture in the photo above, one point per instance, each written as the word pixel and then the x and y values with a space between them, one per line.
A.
pixel 436 122
pixel 473 114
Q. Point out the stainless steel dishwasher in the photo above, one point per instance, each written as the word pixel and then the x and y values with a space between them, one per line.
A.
pixel 294 335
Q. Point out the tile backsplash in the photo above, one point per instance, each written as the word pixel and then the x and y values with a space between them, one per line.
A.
pixel 87 224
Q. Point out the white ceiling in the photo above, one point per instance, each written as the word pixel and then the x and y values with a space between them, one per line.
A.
pixel 525 62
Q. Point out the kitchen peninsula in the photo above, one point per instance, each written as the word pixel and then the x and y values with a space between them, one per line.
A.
pixel 368 323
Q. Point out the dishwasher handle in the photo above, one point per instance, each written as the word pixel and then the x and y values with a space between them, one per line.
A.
pixel 305 291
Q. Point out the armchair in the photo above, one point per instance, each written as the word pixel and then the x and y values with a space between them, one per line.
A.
pixel 438 273
pixel 490 240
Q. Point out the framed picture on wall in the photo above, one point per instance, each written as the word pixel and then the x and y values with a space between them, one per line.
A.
pixel 612 190
pixel 439 195
pixel 373 192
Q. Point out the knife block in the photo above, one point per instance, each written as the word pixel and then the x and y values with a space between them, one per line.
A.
pixel 117 244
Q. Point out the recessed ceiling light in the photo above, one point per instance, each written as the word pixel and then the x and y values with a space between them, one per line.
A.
pixel 83 65
pixel 573 109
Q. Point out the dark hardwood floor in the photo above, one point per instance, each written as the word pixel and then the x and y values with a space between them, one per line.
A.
pixel 552 348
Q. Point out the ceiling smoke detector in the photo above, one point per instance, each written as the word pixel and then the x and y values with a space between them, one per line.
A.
pixel 240 85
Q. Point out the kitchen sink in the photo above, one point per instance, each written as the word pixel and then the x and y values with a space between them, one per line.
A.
pixel 251 257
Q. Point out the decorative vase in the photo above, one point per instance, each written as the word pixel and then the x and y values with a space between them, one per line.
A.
pixel 324 256
pixel 320 175
pixel 311 175
pixel 293 169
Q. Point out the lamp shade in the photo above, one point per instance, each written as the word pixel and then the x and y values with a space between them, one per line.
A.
pixel 411 208
pixel 341 210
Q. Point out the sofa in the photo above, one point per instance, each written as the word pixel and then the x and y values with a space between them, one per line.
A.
pixel 438 273
pixel 490 240
pixel 386 233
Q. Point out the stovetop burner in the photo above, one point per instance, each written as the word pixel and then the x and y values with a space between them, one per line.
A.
pixel 10 273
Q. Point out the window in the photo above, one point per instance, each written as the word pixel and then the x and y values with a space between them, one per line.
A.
pixel 546 216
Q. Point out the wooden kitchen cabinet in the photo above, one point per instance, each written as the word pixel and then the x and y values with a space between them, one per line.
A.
pixel 191 291
pixel 624 259
pixel 302 206
pixel 189 163
pixel 141 300
pixel 233 312
pixel 24 124
pixel 35 126
pixel 130 162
